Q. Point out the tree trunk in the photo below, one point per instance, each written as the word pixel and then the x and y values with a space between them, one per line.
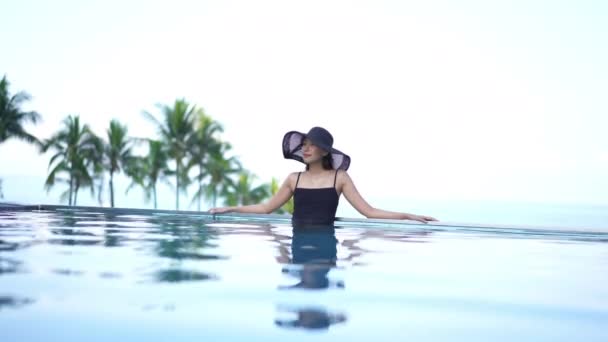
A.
pixel 111 189
pixel 177 184
pixel 76 186
pixel 71 189
pixel 154 194
pixel 200 184
pixel 100 193
pixel 200 192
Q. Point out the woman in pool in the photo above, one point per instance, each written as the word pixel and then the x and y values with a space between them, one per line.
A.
pixel 317 190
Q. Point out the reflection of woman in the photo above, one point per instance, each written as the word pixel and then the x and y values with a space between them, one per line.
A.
pixel 317 191
pixel 314 250
pixel 310 318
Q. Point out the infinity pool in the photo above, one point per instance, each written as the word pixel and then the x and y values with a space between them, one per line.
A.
pixel 89 274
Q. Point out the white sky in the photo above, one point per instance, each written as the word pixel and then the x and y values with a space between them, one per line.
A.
pixel 432 99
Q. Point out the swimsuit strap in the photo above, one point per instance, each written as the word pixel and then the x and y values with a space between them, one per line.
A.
pixel 335 178
pixel 299 173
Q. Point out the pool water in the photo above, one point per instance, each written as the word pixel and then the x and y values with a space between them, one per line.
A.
pixel 101 275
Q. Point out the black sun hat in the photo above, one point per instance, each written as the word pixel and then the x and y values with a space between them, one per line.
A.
pixel 292 146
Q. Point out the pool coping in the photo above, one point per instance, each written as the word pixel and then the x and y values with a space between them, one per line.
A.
pixel 340 221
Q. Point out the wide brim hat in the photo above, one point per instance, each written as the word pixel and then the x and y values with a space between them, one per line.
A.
pixel 292 146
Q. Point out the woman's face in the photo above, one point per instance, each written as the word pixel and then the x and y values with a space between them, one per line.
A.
pixel 311 152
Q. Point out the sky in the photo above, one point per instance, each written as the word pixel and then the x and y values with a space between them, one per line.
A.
pixel 433 100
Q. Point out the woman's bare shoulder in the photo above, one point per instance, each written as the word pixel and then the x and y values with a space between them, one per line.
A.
pixel 291 177
pixel 342 173
pixel 342 177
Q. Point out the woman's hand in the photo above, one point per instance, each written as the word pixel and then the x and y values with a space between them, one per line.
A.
pixel 220 210
pixel 421 218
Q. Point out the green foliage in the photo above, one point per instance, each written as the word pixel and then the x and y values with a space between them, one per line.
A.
pixel 148 170
pixel 220 171
pixel 12 117
pixel 287 208
pixel 203 142
pixel 188 150
pixel 244 193
pixel 175 127
pixel 116 152
pixel 76 158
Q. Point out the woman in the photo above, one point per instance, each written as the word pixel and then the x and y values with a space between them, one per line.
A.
pixel 317 190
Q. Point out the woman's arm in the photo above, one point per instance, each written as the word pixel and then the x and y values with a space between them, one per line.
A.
pixel 356 200
pixel 275 202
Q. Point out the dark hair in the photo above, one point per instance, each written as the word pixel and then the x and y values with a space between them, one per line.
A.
pixel 327 162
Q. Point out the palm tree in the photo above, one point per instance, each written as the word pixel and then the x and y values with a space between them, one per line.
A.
pixel 147 171
pixel 12 118
pixel 220 169
pixel 77 152
pixel 287 208
pixel 243 192
pixel 202 142
pixel 175 128
pixel 117 152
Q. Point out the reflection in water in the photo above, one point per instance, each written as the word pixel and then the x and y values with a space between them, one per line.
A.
pixel 74 237
pixel 163 276
pixel 73 242
pixel 188 241
pixel 185 245
pixel 67 272
pixel 180 249
pixel 315 252
pixel 14 302
pixel 8 265
pixel 176 275
pixel 176 238
pixel 8 246
pixel 110 239
pixel 110 275
pixel 309 318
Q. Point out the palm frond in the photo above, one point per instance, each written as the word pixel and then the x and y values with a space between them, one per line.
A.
pixel 12 117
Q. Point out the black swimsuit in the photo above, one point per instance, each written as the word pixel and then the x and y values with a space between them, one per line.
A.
pixel 315 207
